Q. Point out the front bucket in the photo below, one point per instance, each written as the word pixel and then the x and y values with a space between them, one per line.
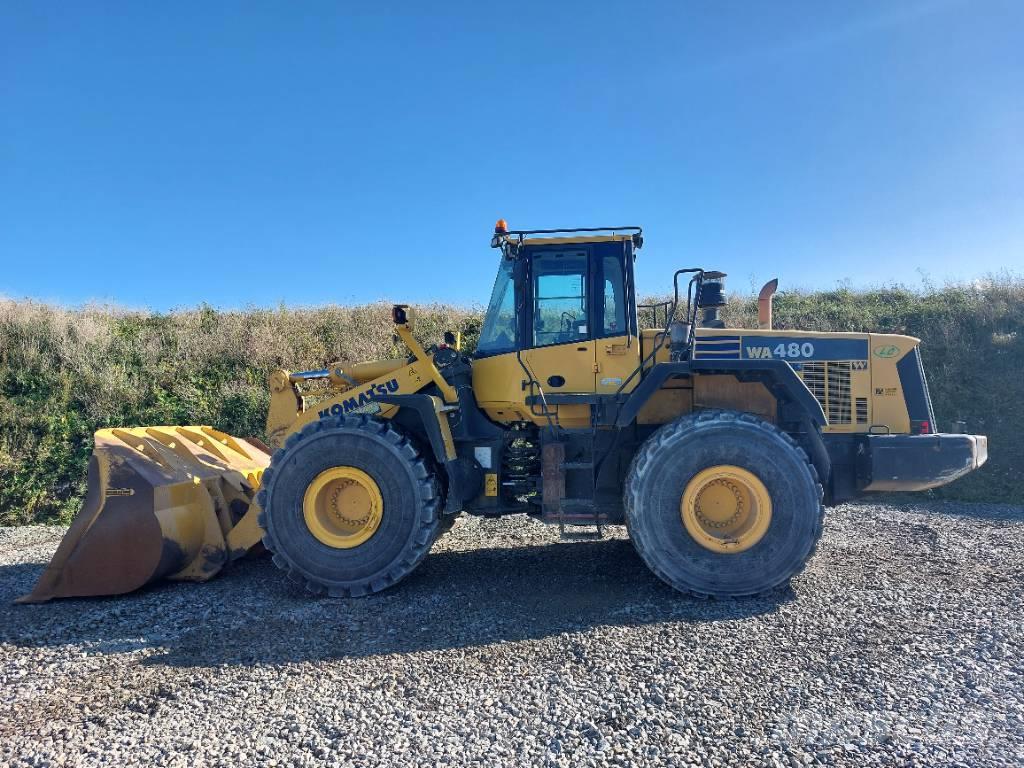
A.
pixel 162 502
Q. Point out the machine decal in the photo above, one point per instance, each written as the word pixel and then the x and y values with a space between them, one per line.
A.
pixel 887 350
pixel 363 403
pixel 795 350
pixel 718 347
pixel 789 348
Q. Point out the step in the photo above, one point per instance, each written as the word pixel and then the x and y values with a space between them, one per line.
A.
pixel 581 502
pixel 568 535
pixel 576 523
pixel 578 465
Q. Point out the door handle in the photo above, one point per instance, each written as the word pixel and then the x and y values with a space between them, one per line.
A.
pixel 556 381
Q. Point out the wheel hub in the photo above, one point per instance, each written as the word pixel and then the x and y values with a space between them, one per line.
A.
pixel 726 509
pixel 343 507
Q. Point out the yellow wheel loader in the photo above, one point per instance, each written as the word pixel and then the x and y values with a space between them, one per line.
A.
pixel 717 447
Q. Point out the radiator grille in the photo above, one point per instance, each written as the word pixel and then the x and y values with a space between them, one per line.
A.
pixel 829 382
pixel 862 410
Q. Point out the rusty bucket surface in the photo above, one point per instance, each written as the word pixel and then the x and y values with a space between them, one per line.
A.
pixel 162 502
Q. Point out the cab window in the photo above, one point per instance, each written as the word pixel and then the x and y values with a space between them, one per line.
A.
pixel 499 330
pixel 560 298
pixel 614 308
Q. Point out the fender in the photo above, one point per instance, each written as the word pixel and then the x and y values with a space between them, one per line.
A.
pixel 801 407
pixel 464 479
pixel 776 375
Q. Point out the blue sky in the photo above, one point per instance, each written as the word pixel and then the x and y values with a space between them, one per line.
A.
pixel 165 154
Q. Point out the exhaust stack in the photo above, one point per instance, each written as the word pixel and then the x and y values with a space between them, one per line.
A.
pixel 764 304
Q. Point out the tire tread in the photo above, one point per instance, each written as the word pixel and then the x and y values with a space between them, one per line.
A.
pixel 658 442
pixel 428 515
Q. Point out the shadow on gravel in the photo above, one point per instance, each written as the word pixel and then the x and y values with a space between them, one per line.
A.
pixel 456 599
pixel 934 507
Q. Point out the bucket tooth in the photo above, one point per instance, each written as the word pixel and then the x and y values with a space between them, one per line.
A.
pixel 162 502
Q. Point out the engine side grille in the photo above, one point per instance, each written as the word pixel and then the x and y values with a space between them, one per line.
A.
pixel 829 382
pixel 862 410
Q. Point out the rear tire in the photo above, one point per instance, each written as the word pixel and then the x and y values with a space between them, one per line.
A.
pixel 742 446
pixel 404 485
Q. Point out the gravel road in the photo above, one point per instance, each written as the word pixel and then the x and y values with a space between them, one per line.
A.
pixel 900 645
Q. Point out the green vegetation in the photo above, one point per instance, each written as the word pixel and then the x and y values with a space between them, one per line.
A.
pixel 65 373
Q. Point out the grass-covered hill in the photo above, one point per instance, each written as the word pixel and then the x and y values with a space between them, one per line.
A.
pixel 66 372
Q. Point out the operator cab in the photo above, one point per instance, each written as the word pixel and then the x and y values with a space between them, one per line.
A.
pixel 561 326
pixel 557 287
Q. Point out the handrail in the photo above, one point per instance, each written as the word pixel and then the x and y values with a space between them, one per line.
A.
pixel 692 301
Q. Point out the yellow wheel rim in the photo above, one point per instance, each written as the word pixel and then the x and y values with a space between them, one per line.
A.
pixel 726 509
pixel 343 507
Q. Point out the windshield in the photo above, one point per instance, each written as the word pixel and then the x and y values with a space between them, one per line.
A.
pixel 499 331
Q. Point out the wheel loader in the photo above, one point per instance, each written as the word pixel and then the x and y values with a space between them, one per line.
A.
pixel 718 448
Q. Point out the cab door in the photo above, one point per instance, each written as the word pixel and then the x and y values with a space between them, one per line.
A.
pixel 616 347
pixel 560 353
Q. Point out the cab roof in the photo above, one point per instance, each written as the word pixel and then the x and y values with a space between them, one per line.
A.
pixel 571 240
pixel 520 237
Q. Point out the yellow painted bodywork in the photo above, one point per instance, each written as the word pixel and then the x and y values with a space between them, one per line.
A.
pixel 500 383
pixel 427 366
pixel 291 409
pixel 599 365
pixel 868 390
pixel 368 371
pixel 875 381
pixel 888 405
pixel 499 386
pixel 615 359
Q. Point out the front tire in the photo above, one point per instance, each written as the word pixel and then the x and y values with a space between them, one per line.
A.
pixel 723 504
pixel 349 506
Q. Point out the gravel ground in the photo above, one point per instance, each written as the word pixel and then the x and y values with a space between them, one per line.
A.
pixel 900 645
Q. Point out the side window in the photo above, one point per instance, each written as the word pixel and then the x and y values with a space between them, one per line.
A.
pixel 499 330
pixel 614 302
pixel 560 298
